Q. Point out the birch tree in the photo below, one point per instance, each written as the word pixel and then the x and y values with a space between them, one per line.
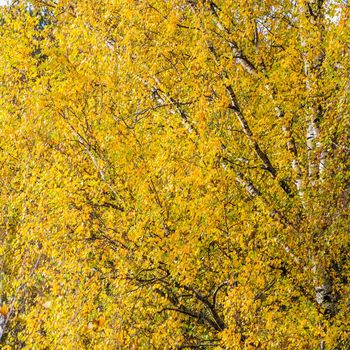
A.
pixel 175 174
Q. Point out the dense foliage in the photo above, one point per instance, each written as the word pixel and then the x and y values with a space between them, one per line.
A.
pixel 175 174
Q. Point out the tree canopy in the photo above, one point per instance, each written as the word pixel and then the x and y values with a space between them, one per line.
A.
pixel 175 174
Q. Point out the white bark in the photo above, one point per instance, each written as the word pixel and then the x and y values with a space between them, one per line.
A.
pixel 2 325
pixel 186 121
pixel 247 185
pixel 316 155
pixel 291 147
